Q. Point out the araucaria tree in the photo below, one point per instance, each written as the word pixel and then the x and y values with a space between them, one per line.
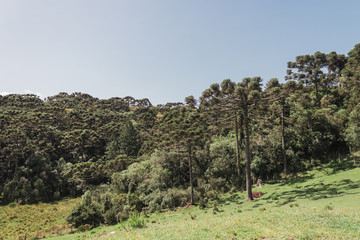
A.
pixel 182 129
pixel 221 112
pixel 239 101
pixel 247 94
pixel 68 143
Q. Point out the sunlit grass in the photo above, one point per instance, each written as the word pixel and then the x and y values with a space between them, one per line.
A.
pixel 35 220
pixel 321 204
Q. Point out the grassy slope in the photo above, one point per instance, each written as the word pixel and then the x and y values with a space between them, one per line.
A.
pixel 321 204
pixel 43 219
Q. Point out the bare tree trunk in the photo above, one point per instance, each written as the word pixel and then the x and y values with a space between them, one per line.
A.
pixel 191 176
pixel 237 149
pixel 283 137
pixel 248 159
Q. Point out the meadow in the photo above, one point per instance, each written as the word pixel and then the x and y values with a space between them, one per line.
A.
pixel 35 220
pixel 323 203
pixel 320 204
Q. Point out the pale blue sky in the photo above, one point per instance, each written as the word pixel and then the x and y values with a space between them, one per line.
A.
pixel 163 50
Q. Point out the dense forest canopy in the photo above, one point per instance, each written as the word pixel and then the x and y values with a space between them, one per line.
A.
pixel 177 153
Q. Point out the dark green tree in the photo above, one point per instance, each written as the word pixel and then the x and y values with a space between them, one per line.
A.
pixel 183 130
pixel 309 71
pixel 129 142
pixel 218 105
pixel 247 94
pixel 86 212
pixel 237 100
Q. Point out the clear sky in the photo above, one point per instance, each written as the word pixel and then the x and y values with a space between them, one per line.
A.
pixel 163 50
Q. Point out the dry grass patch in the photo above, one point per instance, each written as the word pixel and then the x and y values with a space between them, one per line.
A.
pixel 35 220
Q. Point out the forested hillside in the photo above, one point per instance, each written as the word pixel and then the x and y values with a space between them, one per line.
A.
pixel 132 155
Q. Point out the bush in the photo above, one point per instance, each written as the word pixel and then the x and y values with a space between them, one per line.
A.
pixel 122 216
pixel 221 172
pixel 152 182
pixel 86 212
pixel 212 195
pixel 173 197
pixel 110 217
pixel 136 221
pixel 12 204
pixel 328 207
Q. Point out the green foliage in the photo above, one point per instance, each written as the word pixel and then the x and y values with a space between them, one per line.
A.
pixel 86 212
pixel 127 142
pixel 85 174
pixel 69 143
pixel 136 221
pixel 150 183
pixel 102 206
pixel 37 181
pixel 221 173
pixel 352 133
pixel 41 138
pixel 12 204
pixel 329 207
pixel 112 207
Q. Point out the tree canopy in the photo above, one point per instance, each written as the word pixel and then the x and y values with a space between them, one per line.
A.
pixel 177 153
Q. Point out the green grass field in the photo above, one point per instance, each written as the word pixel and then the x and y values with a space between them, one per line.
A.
pixel 321 204
pixel 35 220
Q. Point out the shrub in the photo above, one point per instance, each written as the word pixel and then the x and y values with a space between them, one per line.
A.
pixel 122 216
pixel 212 195
pixel 110 217
pixel 86 212
pixel 174 197
pixel 202 204
pixel 329 207
pixel 179 197
pixel 136 221
pixel 221 172
pixel 111 204
pixel 274 197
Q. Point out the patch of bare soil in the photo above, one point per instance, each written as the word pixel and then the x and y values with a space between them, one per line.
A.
pixel 257 194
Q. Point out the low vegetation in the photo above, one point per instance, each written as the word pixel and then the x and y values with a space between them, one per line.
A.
pixel 35 220
pixel 319 204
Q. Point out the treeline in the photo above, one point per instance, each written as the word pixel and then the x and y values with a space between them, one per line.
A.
pixel 163 156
